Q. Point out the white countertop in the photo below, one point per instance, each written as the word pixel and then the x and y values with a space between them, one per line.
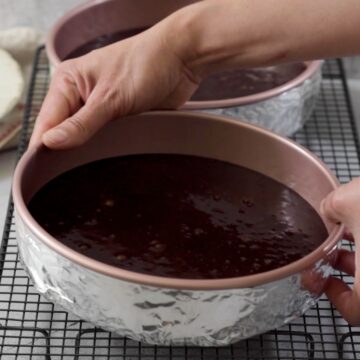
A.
pixel 40 14
pixel 7 163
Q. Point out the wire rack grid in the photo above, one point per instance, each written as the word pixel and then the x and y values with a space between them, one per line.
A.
pixel 33 328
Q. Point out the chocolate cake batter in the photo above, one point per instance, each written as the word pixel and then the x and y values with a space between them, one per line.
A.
pixel 243 82
pixel 178 216
pixel 223 85
pixel 104 40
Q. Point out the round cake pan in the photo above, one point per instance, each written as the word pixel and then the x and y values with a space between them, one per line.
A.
pixel 161 310
pixel 283 109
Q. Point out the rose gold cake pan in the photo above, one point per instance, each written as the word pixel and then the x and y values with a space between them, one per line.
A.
pixel 283 109
pixel 162 310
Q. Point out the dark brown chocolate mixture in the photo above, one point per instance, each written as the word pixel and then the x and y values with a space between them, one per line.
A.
pixel 243 82
pixel 104 40
pixel 178 216
pixel 223 85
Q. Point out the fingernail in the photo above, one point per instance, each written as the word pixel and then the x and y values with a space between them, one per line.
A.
pixel 56 136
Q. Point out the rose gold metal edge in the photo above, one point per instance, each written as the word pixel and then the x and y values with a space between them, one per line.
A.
pixel 312 67
pixel 176 283
pixel 50 39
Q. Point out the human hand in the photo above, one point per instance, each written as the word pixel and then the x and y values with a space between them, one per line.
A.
pixel 134 75
pixel 162 67
pixel 343 205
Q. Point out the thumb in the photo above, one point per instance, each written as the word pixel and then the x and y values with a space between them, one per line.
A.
pixel 343 205
pixel 79 127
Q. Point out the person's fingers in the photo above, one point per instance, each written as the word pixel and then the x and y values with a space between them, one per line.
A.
pixel 76 129
pixel 343 205
pixel 81 126
pixel 62 100
pixel 345 299
pixel 345 262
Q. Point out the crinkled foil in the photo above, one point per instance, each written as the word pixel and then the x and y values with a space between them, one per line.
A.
pixel 285 113
pixel 167 316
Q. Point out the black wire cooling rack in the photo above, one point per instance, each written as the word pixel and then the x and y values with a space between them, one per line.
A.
pixel 33 328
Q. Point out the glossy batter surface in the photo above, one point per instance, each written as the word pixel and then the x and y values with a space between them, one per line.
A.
pixel 244 82
pixel 102 41
pixel 178 216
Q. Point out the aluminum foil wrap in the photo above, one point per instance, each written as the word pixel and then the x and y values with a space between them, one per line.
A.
pixel 285 113
pixel 166 316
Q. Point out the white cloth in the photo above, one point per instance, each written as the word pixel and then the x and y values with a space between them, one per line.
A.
pixel 21 43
